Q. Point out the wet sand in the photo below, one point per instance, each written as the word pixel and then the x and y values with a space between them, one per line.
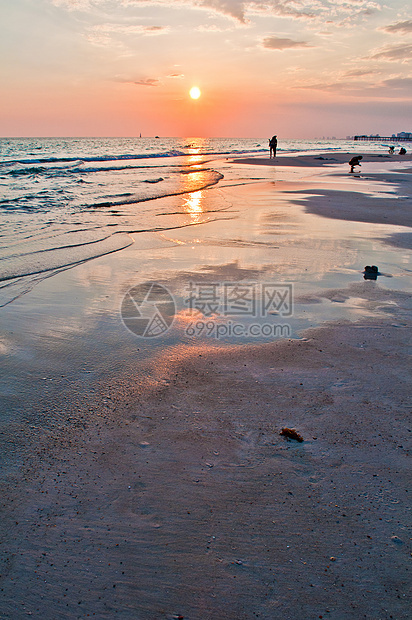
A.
pixel 311 160
pixel 164 489
pixel 355 204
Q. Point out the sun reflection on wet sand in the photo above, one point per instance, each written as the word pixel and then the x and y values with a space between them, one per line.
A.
pixel 193 206
pixel 194 159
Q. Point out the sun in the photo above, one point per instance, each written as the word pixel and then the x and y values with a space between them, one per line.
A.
pixel 194 92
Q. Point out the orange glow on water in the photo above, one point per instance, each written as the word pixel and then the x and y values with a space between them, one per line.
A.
pixel 193 206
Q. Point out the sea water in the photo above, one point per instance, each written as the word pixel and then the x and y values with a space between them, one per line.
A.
pixel 68 200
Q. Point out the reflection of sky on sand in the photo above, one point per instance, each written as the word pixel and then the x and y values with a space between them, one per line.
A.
pixel 263 232
pixel 75 335
pixel 68 329
pixel 254 232
pixel 270 237
pixel 267 237
pixel 266 240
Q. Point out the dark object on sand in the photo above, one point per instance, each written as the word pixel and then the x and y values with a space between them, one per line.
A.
pixel 291 433
pixel 355 162
pixel 370 272
pixel 402 151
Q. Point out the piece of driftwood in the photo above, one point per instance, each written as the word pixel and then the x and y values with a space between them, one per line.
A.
pixel 291 433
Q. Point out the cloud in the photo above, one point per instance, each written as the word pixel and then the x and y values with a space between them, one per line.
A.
pixel 124 29
pixel 176 75
pixel 155 30
pixel 394 53
pixel 73 5
pixel 211 28
pixel 138 82
pixel 399 83
pixel 393 87
pixel 146 82
pixel 332 86
pixel 113 34
pixel 359 73
pixel 277 43
pixel 335 11
pixel 399 28
pixel 232 8
pixel 332 11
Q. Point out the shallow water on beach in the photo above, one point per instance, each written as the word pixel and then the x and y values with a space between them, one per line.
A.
pixel 228 255
pixel 67 201
pixel 242 258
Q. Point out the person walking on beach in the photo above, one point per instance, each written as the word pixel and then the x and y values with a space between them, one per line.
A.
pixel 273 144
pixel 354 162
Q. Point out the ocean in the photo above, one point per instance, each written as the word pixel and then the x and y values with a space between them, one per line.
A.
pixel 65 201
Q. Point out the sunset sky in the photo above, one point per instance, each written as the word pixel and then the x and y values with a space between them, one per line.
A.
pixel 298 68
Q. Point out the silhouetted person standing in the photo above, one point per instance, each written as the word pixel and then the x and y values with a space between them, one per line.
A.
pixel 273 145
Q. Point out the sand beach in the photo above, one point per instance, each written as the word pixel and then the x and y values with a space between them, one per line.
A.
pixel 147 478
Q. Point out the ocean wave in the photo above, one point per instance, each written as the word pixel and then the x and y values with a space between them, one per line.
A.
pixel 27 171
pixel 126 157
pixel 51 172
pixel 57 189
pixel 21 272
pixel 60 171
pixel 22 202
pixel 65 160
pixel 25 267
pixel 192 185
